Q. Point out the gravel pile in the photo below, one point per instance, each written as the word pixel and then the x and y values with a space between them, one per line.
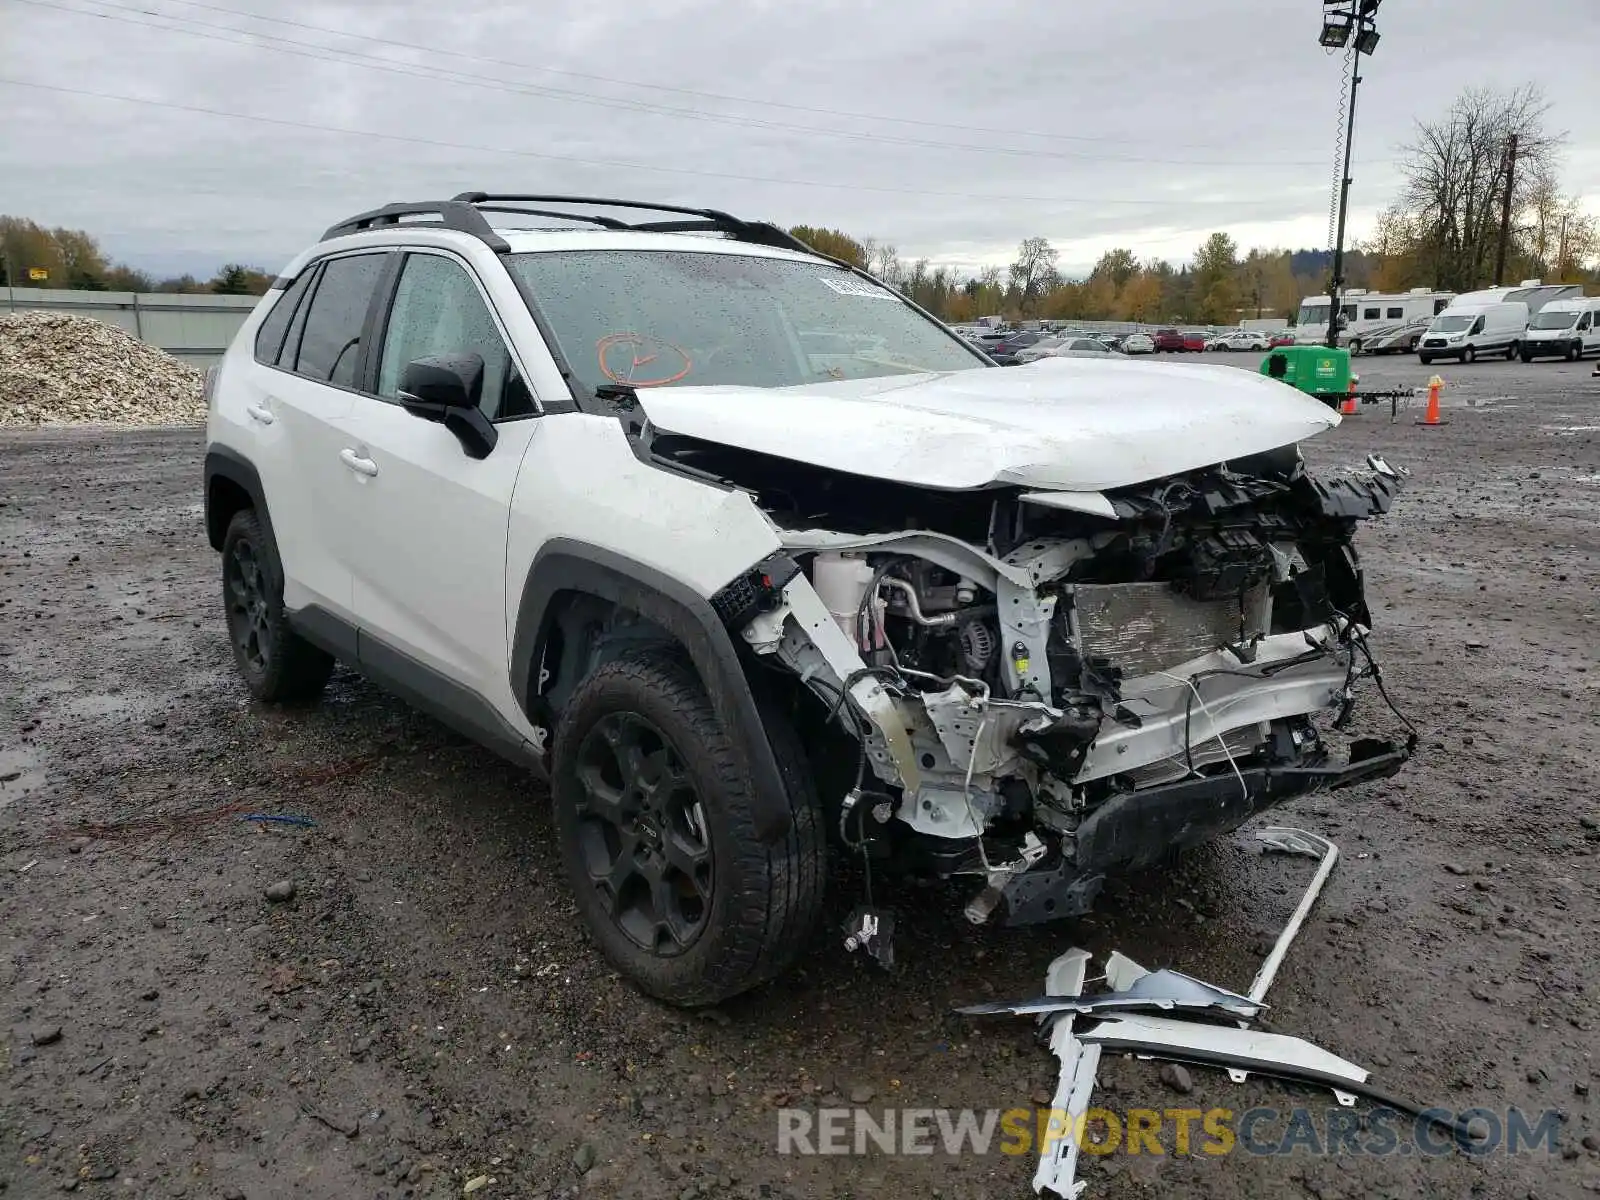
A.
pixel 57 369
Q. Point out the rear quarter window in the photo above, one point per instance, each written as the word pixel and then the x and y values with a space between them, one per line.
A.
pixel 269 338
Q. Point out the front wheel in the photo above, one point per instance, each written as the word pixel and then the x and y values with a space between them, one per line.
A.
pixel 278 665
pixel 1574 351
pixel 1425 359
pixel 1528 358
pixel 1470 354
pixel 1355 348
pixel 653 814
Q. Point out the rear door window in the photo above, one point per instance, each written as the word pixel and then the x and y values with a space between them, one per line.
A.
pixel 330 347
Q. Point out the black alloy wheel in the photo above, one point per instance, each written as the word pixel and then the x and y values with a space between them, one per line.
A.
pixel 249 622
pixel 643 834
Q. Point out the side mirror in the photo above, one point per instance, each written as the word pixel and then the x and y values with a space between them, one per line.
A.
pixel 446 388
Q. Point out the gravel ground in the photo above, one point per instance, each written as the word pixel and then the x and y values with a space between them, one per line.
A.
pixel 422 1014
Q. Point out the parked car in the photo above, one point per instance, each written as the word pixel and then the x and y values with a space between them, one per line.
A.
pixel 1080 347
pixel 1112 341
pixel 1038 350
pixel 1138 343
pixel 1170 341
pixel 1240 339
pixel 1004 351
pixel 603 540
pixel 1284 337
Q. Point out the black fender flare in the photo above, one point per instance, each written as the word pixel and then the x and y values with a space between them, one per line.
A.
pixel 223 463
pixel 566 565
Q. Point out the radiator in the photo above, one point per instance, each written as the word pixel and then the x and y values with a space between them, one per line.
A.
pixel 1149 627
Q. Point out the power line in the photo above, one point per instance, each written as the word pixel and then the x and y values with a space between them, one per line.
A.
pixel 435 143
pixel 659 87
pixel 369 62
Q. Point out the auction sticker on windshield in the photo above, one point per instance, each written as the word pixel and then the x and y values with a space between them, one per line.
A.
pixel 848 286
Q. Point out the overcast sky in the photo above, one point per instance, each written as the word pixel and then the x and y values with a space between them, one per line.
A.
pixel 952 130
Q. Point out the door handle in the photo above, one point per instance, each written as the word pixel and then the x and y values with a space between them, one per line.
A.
pixel 361 466
pixel 259 414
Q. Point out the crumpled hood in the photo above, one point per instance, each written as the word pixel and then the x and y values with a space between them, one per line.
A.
pixel 1067 424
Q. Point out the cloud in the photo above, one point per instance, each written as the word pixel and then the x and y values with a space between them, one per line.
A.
pixel 951 131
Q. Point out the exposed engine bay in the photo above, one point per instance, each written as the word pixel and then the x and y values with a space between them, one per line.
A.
pixel 1048 686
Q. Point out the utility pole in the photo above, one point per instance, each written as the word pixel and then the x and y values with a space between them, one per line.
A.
pixel 1351 23
pixel 1505 211
pixel 1561 254
pixel 1337 283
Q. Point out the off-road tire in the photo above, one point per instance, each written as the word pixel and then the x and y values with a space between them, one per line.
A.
pixel 280 667
pixel 765 900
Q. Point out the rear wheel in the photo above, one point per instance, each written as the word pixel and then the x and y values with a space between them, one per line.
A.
pixel 1470 354
pixel 653 813
pixel 278 665
pixel 1513 350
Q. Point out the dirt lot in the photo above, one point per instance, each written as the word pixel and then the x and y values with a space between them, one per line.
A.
pixel 423 1012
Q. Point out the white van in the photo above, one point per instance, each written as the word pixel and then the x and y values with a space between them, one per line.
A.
pixel 1570 328
pixel 1466 331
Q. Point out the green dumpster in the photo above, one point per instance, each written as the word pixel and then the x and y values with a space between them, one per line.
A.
pixel 1319 371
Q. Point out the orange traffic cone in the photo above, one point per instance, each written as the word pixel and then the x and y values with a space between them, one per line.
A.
pixel 1348 408
pixel 1431 417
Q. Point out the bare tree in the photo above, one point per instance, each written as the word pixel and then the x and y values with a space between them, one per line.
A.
pixel 1456 171
pixel 886 265
pixel 1034 272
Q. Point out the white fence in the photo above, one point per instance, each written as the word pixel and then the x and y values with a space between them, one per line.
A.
pixel 196 329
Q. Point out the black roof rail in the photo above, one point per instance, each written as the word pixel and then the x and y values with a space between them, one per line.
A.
pixel 452 214
pixel 710 220
pixel 465 213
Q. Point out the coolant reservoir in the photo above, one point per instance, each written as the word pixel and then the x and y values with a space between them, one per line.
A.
pixel 841 579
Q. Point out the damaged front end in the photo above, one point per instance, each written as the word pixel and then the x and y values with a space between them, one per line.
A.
pixel 1047 686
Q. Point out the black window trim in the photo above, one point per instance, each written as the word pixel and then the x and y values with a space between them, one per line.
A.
pixel 311 295
pixel 383 308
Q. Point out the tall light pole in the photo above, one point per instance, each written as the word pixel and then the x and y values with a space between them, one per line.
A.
pixel 1344 21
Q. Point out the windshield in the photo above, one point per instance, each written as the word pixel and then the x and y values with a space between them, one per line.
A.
pixel 1553 320
pixel 652 318
pixel 1313 314
pixel 1451 323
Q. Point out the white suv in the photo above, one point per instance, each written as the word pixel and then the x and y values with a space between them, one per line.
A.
pixel 752 556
